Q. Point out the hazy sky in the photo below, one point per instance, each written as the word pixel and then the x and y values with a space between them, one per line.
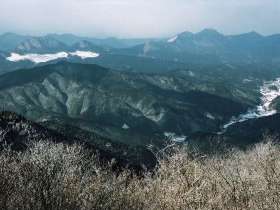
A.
pixel 138 18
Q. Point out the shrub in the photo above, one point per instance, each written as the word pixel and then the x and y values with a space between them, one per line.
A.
pixel 58 176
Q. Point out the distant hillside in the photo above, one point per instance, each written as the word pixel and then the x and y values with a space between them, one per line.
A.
pixel 210 46
pixel 132 108
pixel 185 50
pixel 12 41
pixel 19 133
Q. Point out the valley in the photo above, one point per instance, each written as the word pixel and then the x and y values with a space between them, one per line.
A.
pixel 269 91
pixel 145 92
pixel 139 105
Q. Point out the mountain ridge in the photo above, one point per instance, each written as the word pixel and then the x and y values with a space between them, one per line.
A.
pixel 103 101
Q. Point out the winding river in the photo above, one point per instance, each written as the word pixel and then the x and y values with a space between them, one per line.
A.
pixel 270 90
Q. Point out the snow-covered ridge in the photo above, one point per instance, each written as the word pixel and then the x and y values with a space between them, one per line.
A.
pixel 269 91
pixel 42 58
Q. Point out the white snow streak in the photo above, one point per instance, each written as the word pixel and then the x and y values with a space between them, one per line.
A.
pixel 42 58
pixel 173 39
pixel 37 58
pixel 85 54
pixel 269 91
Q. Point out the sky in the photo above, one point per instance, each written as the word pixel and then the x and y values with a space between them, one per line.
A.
pixel 138 18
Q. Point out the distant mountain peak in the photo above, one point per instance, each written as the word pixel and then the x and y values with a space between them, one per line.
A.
pixel 82 44
pixel 254 34
pixel 40 44
pixel 9 34
pixel 209 31
pixel 250 36
pixel 182 35
pixel 186 34
pixel 86 45
pixel 204 34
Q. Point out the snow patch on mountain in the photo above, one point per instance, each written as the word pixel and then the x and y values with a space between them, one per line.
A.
pixel 125 126
pixel 269 92
pixel 210 116
pixel 85 54
pixel 36 58
pixel 42 58
pixel 173 39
